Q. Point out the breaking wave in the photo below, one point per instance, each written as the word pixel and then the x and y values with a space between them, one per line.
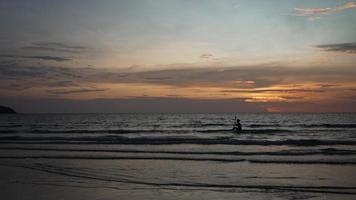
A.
pixel 307 152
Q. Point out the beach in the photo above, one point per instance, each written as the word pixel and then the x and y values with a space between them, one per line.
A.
pixel 178 156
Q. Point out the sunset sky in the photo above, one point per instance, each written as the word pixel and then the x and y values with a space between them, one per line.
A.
pixel 178 56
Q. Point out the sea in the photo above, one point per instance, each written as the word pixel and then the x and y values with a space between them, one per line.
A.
pixel 292 156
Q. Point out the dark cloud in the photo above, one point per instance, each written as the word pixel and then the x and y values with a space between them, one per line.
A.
pixel 34 76
pixel 58 45
pixel 55 46
pixel 61 84
pixel 158 78
pixel 326 85
pixel 49 58
pixel 271 90
pixel 173 95
pixel 13 72
pixel 206 55
pixel 341 47
pixel 15 86
pixel 293 97
pixel 196 76
pixel 233 77
pixel 74 91
pixel 54 58
pixel 68 80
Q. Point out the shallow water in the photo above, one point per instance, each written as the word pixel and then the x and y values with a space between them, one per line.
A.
pixel 177 156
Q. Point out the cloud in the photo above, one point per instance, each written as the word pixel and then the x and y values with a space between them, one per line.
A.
pixel 341 47
pixel 48 58
pixel 348 5
pixel 53 58
pixel 271 90
pixel 61 84
pixel 75 91
pixel 327 85
pixel 313 13
pixel 230 77
pixel 36 75
pixel 195 76
pixel 51 50
pixel 55 46
pixel 206 56
pixel 293 97
pixel 15 86
pixel 270 84
pixel 158 78
pixel 202 82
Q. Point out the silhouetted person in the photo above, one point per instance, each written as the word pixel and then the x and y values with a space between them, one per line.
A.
pixel 237 126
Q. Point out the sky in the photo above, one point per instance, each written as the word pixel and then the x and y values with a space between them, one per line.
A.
pixel 178 56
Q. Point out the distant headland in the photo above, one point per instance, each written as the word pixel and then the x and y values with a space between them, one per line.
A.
pixel 6 110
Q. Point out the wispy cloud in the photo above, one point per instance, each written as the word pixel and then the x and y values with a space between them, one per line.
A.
pixel 270 84
pixel 272 90
pixel 55 46
pixel 340 47
pixel 53 58
pixel 61 84
pixel 231 77
pixel 49 58
pixel 206 55
pixel 75 91
pixel 43 74
pixel 313 13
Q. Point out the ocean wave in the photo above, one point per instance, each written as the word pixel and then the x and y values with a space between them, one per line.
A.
pixel 328 125
pixel 78 131
pixel 303 125
pixel 255 161
pixel 247 131
pixel 122 158
pixel 117 131
pixel 10 126
pixel 128 131
pixel 200 125
pixel 326 162
pixel 112 139
pixel 269 125
pixel 263 125
pixel 8 131
pixel 308 152
pixel 214 130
